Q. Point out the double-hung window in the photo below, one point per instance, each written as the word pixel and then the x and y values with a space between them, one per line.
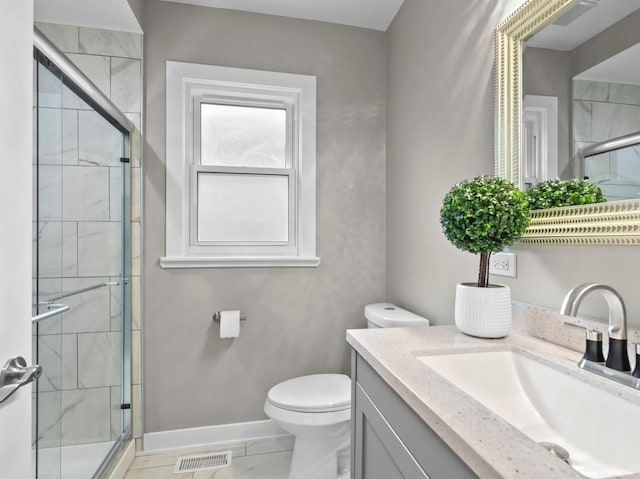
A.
pixel 240 167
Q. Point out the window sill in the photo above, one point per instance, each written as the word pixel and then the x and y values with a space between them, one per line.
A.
pixel 219 262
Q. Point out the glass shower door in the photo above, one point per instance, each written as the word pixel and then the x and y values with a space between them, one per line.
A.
pixel 81 218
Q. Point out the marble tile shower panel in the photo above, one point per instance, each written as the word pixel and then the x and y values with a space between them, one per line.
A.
pixel 606 92
pixel 612 120
pixel 590 90
pixel 582 129
pixel 49 136
pixel 49 423
pixel 97 69
pixel 625 166
pixel 58 356
pixel 86 193
pixel 49 349
pixel 99 249
pixel 621 93
pixel 48 183
pixel 69 249
pixel 116 412
pixel 70 137
pixel 115 306
pixel 49 92
pixel 65 37
pixel 615 192
pixel 49 250
pixel 108 42
pixel 100 144
pixel 116 192
pixel 90 311
pixel 47 287
pixel 99 359
pixel 597 168
pixel 83 419
pixel 125 84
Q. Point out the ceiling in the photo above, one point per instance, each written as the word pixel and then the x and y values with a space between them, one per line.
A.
pixel 117 15
pixel 621 68
pixel 594 21
pixel 374 14
pixel 106 14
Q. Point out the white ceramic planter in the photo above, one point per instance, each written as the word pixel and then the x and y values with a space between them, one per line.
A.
pixel 483 312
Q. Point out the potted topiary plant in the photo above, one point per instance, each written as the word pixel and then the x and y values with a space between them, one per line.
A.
pixel 482 216
pixel 556 193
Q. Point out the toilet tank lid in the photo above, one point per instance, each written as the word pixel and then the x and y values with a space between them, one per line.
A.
pixel 387 315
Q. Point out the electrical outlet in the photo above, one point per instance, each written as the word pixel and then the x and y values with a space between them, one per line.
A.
pixel 503 264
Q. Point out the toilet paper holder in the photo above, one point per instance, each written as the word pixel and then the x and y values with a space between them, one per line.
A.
pixel 216 317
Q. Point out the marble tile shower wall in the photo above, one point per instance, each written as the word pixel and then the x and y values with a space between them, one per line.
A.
pixel 80 241
pixel 602 111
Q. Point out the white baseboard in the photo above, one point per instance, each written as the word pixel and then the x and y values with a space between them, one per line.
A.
pixel 155 442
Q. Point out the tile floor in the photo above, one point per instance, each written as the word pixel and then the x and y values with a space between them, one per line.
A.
pixel 266 459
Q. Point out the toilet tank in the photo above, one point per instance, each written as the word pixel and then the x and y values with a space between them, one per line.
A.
pixel 387 315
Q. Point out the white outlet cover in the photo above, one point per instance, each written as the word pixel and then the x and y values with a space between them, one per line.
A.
pixel 503 264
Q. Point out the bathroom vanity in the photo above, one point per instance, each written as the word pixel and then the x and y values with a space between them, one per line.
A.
pixel 409 421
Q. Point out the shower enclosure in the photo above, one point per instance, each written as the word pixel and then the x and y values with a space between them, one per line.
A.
pixel 81 258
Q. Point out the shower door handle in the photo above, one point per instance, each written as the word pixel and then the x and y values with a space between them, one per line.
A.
pixel 16 374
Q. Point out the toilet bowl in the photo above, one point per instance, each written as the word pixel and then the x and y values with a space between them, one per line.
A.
pixel 316 409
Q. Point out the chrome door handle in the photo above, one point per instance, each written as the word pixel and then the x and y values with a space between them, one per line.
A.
pixel 16 374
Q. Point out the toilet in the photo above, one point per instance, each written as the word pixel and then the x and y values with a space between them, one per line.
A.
pixel 316 409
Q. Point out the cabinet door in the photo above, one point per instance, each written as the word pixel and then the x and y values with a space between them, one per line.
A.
pixel 379 453
pixel 416 450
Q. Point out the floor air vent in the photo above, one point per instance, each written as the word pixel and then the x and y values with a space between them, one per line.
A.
pixel 203 462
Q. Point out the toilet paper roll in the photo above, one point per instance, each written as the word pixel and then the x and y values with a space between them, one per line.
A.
pixel 229 324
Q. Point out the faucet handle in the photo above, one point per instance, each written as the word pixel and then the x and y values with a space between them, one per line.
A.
pixel 636 371
pixel 618 357
pixel 593 349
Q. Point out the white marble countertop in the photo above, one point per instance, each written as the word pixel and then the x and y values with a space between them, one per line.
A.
pixel 489 445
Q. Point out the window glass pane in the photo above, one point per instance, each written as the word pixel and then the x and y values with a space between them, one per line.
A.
pixel 243 136
pixel 243 207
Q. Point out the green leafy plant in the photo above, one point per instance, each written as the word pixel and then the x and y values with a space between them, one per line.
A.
pixel 484 215
pixel 555 193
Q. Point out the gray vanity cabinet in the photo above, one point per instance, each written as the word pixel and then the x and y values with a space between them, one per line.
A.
pixel 389 440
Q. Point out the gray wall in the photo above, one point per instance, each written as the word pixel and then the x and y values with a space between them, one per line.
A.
pixel 296 317
pixel 439 131
pixel 548 72
pixel 613 40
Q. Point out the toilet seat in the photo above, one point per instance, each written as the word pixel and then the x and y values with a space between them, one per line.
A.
pixel 316 393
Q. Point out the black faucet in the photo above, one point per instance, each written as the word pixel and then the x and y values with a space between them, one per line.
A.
pixel 618 357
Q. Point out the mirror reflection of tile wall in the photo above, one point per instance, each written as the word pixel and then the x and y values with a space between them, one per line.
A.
pixel 602 111
pixel 78 152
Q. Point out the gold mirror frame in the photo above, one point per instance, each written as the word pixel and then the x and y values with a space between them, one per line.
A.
pixel 616 222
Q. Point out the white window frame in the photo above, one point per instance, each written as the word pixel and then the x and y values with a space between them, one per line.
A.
pixel 188 86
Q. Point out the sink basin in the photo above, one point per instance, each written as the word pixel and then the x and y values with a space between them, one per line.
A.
pixel 597 428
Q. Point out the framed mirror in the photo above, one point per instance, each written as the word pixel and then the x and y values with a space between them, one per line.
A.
pixel 613 222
